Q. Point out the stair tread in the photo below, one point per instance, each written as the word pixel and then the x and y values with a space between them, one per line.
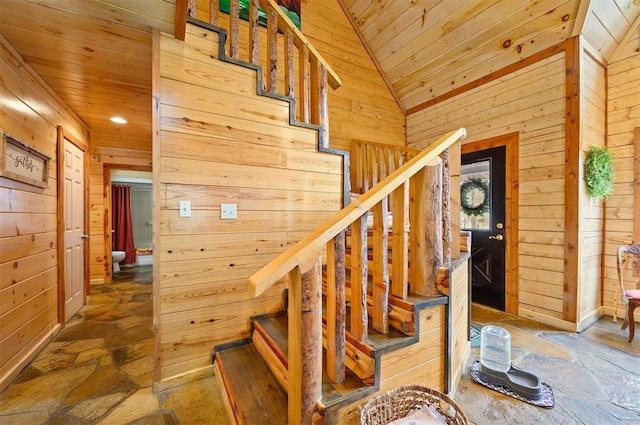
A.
pixel 276 327
pixel 256 391
pixel 332 393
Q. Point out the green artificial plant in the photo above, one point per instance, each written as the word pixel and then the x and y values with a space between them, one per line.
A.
pixel 598 172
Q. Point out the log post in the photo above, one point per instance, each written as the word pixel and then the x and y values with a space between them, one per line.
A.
pixel 305 341
pixel 336 308
pixel 433 242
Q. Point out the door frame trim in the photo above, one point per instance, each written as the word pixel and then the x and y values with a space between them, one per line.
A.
pixel 510 141
pixel 63 135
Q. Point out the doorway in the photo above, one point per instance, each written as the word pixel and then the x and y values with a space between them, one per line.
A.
pixel 73 252
pixel 139 181
pixel 489 210
pixel 482 212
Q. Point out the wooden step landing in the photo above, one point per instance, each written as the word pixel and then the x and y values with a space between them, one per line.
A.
pixel 254 395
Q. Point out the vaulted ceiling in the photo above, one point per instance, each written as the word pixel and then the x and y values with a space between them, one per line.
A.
pixel 96 54
pixel 426 48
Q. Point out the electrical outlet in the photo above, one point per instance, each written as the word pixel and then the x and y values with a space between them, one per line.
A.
pixel 185 209
pixel 228 211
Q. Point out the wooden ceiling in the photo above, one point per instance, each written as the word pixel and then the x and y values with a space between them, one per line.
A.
pixel 426 48
pixel 96 54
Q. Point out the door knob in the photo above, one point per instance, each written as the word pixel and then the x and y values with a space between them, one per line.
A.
pixel 497 237
pixel 85 236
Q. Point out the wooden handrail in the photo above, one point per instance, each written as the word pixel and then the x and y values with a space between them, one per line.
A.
pixel 308 247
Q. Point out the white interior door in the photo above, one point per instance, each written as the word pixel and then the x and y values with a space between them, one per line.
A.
pixel 73 228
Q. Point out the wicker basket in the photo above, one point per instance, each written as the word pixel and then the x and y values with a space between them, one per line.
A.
pixel 398 402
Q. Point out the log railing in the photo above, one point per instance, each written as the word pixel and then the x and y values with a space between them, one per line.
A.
pixel 373 162
pixel 416 190
pixel 296 71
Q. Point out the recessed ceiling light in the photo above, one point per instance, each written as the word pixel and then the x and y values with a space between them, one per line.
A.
pixel 118 120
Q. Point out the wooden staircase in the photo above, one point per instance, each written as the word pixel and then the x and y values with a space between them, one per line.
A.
pixel 358 286
pixel 325 349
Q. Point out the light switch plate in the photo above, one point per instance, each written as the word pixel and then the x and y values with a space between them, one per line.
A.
pixel 185 209
pixel 228 211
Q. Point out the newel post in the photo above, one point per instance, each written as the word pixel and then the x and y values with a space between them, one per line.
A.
pixel 305 341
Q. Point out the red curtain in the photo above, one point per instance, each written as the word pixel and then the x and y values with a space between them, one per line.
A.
pixel 122 237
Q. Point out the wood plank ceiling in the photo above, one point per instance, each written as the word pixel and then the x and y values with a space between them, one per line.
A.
pixel 427 48
pixel 96 54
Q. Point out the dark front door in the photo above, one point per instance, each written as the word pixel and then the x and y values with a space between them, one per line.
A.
pixel 482 211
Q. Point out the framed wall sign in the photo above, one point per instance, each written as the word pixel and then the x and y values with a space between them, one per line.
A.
pixel 23 163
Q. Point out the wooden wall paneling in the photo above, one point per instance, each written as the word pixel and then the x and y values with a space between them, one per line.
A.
pixel 365 99
pixel 28 258
pixel 530 100
pixel 592 223
pixel 278 167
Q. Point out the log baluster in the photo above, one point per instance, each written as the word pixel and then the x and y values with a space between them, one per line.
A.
pixel 192 8
pixel 447 238
pixel 400 242
pixel 359 276
pixel 319 99
pixel 289 74
pixel 336 308
pixel 214 10
pixel 234 33
pixel 417 235
pixel 305 80
pixel 254 32
pixel 272 43
pixel 380 266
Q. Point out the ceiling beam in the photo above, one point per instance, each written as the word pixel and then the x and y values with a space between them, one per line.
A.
pixel 584 9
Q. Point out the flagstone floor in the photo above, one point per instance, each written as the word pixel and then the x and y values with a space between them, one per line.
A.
pixel 595 375
pixel 98 369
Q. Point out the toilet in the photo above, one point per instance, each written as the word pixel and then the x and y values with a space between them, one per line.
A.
pixel 116 257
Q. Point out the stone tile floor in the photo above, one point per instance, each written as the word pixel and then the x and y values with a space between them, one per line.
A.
pixel 595 375
pixel 98 369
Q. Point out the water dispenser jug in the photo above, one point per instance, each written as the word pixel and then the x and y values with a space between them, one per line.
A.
pixel 495 348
